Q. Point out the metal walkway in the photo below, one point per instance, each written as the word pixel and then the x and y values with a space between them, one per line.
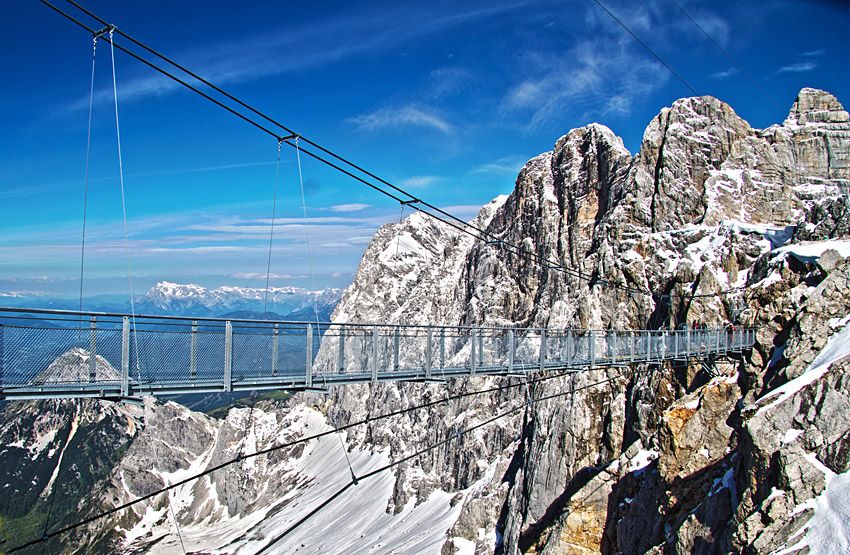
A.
pixel 48 354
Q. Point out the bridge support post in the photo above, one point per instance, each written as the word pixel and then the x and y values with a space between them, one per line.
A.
pixel 397 341
pixel 193 352
pixel 93 349
pixel 428 344
pixel 511 350
pixel 375 355
pixel 442 348
pixel 340 365
pixel 308 367
pixel 125 357
pixel 2 362
pixel 472 351
pixel 481 349
pixel 591 347
pixel 275 338
pixel 675 344
pixel 228 356
pixel 542 349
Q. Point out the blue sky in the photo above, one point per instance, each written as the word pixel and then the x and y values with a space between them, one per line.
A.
pixel 447 99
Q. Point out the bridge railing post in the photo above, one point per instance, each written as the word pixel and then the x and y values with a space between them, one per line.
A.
pixel 93 349
pixel 472 341
pixel 542 349
pixel 2 356
pixel 125 357
pixel 663 341
pixel 675 344
pixel 275 339
pixel 570 347
pixel 228 356
pixel 442 348
pixel 591 346
pixel 340 364
pixel 481 348
pixel 511 350
pixel 193 352
pixel 397 347
pixel 308 367
pixel 687 344
pixel 374 364
pixel 429 340
pixel 632 346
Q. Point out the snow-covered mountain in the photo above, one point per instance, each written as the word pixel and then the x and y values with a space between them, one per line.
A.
pixel 190 299
pixel 751 456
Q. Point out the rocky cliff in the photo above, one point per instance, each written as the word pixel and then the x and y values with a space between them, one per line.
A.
pixel 670 460
pixel 711 221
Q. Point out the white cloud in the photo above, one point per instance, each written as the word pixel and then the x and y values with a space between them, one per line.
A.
pixel 799 67
pixel 419 181
pixel 282 51
pixel 814 53
pixel 726 73
pixel 262 275
pixel 506 164
pixel 353 207
pixel 597 76
pixel 404 116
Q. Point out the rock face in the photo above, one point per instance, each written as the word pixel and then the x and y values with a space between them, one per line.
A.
pixel 656 460
pixel 712 221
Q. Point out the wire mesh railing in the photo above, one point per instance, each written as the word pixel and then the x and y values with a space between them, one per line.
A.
pixel 47 354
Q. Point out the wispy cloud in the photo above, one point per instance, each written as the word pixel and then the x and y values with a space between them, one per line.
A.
pixel 352 207
pixel 597 76
pixel 814 53
pixel 505 165
pixel 271 275
pixel 726 73
pixel 401 117
pixel 448 81
pixel 799 67
pixel 283 51
pixel 419 181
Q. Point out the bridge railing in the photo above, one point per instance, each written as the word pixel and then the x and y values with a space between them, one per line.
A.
pixel 99 354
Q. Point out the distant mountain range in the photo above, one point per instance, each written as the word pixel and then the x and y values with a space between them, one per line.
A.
pixel 293 303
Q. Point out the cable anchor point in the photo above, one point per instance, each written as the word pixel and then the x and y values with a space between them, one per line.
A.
pixel 108 30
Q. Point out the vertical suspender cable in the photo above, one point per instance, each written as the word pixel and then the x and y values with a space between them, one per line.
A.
pixel 124 204
pixel 307 234
pixel 271 232
pixel 86 174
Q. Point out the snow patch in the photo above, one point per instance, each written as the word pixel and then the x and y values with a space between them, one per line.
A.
pixel 836 348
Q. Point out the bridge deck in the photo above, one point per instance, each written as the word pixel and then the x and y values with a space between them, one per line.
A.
pixel 48 354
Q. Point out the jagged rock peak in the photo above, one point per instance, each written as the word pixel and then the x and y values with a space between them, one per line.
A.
pixel 817 106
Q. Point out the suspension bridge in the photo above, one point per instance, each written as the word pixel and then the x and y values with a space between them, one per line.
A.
pixel 67 354
pixel 46 354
